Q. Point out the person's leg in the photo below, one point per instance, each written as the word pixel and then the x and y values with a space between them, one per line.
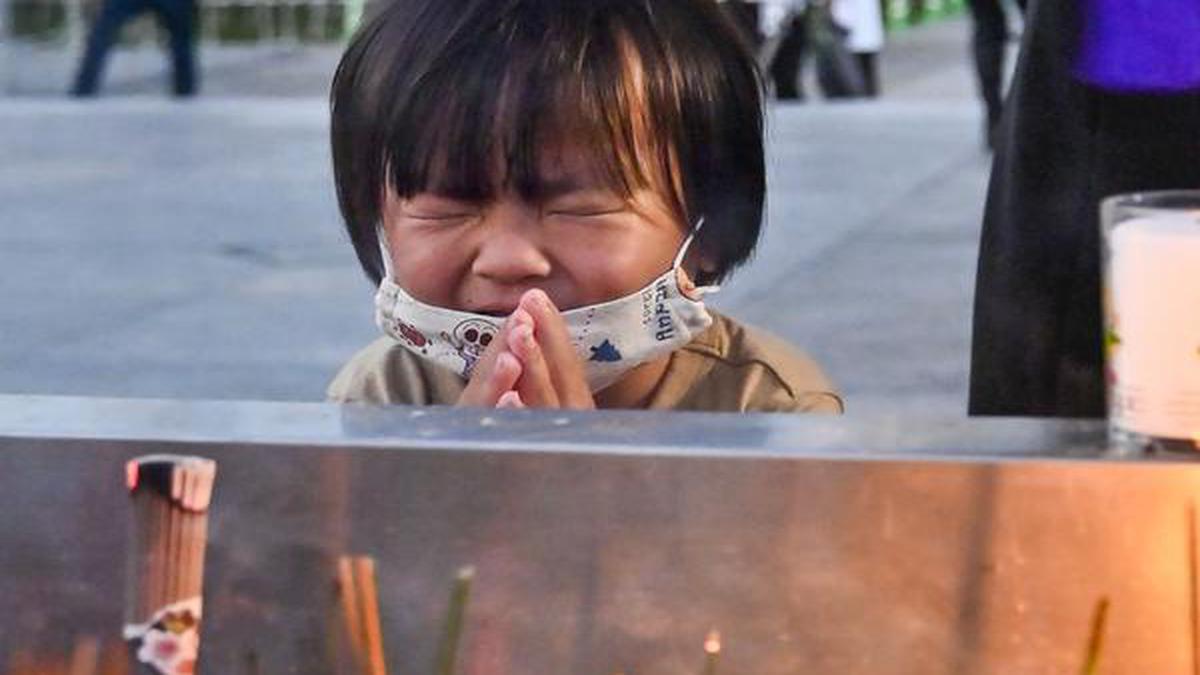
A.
pixel 868 63
pixel 113 14
pixel 178 16
pixel 785 67
pixel 988 44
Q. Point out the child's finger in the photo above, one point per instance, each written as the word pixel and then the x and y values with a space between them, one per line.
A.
pixel 536 385
pixel 487 386
pixel 510 399
pixel 482 372
pixel 566 370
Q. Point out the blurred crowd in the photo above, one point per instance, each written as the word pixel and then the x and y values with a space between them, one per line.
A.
pixel 843 38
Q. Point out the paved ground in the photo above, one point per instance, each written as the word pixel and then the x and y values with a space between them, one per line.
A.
pixel 192 249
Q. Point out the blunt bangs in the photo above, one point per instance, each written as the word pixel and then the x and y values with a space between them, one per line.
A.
pixel 464 97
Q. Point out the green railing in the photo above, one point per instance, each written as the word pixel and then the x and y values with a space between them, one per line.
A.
pixel 902 13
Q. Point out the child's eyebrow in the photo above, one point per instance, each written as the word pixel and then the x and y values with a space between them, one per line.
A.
pixel 456 194
pixel 557 186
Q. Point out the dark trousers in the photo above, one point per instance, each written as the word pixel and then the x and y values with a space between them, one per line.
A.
pixel 789 59
pixel 988 43
pixel 177 16
pixel 868 63
pixel 785 67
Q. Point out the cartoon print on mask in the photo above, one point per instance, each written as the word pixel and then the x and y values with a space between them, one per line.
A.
pixel 605 352
pixel 470 338
pixel 411 335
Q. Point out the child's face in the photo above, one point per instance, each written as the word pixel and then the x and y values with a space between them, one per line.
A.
pixel 583 245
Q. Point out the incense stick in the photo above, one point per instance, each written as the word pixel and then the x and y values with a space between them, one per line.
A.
pixel 1194 613
pixel 348 599
pixel 369 602
pixel 459 594
pixel 712 652
pixel 170 497
pixel 85 657
pixel 358 597
pixel 1096 638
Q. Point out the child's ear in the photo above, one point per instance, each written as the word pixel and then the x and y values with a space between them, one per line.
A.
pixel 707 261
pixel 700 262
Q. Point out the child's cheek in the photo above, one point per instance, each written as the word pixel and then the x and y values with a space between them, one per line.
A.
pixel 430 272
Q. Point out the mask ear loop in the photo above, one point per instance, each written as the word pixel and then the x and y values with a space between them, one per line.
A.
pixel 384 253
pixel 687 243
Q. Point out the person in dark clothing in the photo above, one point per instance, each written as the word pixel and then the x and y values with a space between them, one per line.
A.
pixel 177 17
pixel 1104 101
pixel 813 25
pixel 988 41
pixel 789 57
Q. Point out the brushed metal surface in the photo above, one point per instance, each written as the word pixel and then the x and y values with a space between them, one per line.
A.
pixel 615 542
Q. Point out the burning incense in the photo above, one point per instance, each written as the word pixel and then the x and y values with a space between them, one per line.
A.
pixel 459 594
pixel 712 652
pixel 169 533
pixel 1096 639
pixel 359 600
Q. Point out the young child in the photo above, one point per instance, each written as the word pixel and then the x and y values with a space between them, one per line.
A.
pixel 544 190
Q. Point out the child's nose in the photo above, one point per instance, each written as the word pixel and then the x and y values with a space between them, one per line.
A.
pixel 511 249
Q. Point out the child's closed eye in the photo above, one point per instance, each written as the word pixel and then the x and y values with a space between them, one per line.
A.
pixel 440 217
pixel 582 212
pixel 438 209
pixel 587 208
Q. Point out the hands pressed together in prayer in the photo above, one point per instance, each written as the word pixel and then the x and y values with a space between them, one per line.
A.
pixel 530 363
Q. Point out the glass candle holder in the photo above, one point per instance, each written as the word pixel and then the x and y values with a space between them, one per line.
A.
pixel 1151 249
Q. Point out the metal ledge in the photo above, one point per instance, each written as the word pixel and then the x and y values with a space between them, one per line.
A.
pixel 606 432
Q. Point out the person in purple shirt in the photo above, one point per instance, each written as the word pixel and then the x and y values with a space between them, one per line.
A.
pixel 1105 100
pixel 1140 45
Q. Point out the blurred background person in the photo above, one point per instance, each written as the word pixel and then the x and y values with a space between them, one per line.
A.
pixel 177 16
pixel 864 21
pixel 989 39
pixel 784 25
pixel 842 35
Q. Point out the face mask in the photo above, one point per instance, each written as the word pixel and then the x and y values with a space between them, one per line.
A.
pixel 610 337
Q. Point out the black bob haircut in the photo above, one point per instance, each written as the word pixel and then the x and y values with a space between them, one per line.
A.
pixel 664 94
